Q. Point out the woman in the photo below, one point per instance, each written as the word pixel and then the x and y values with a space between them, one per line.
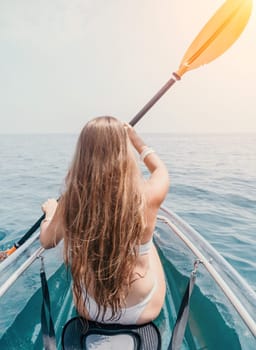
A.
pixel 107 216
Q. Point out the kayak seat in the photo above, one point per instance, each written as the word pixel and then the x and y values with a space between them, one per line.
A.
pixel 81 334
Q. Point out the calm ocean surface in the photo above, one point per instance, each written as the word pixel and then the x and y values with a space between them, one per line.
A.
pixel 213 186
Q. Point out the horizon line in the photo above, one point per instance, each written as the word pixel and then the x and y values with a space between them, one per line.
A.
pixel 140 132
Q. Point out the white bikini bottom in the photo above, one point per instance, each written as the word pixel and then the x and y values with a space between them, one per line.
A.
pixel 129 315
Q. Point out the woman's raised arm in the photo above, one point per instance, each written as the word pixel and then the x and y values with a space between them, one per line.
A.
pixel 158 184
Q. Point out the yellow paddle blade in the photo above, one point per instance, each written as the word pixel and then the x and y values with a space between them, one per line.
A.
pixel 219 33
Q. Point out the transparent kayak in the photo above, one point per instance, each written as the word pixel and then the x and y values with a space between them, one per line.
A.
pixel 222 305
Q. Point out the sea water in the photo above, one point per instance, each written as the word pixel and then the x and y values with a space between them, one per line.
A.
pixel 213 186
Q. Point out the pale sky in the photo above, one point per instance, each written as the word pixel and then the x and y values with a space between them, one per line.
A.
pixel 63 62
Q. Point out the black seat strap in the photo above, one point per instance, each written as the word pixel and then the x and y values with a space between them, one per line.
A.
pixel 183 313
pixel 48 333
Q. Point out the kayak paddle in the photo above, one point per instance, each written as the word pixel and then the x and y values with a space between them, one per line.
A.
pixel 219 33
pixel 23 239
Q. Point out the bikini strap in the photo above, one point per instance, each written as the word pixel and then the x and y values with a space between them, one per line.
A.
pixel 145 247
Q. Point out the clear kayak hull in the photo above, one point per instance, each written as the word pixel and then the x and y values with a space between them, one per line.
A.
pixel 214 322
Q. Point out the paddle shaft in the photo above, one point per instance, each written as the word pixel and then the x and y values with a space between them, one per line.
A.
pixel 30 231
pixel 154 99
pixel 26 236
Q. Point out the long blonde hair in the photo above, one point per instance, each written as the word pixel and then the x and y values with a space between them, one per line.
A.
pixel 103 213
